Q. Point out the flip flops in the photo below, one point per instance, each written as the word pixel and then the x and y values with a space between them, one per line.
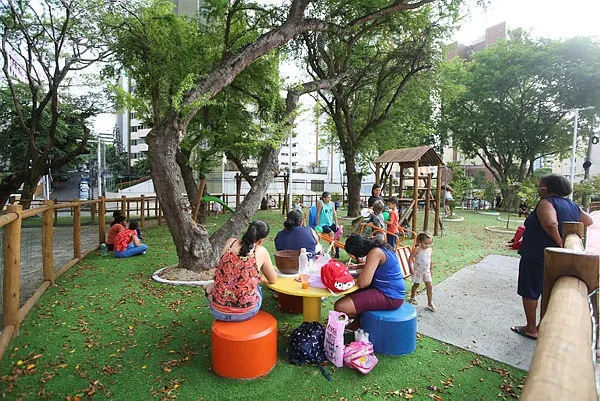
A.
pixel 521 331
pixel 431 308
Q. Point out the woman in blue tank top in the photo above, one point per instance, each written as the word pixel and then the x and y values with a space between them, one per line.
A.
pixel 381 280
pixel 543 229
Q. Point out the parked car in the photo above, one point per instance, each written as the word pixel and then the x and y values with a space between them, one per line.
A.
pixel 62 177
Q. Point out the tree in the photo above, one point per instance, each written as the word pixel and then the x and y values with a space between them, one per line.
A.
pixel 384 101
pixel 508 104
pixel 42 45
pixel 155 41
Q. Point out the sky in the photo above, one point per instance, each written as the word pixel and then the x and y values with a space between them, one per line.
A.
pixel 551 19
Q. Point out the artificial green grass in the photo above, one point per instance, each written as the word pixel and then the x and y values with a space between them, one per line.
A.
pixel 108 331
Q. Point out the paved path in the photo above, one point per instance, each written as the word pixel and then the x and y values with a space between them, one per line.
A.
pixel 593 234
pixel 31 254
pixel 476 308
pixel 478 305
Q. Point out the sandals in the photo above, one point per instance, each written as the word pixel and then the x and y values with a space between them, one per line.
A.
pixel 521 331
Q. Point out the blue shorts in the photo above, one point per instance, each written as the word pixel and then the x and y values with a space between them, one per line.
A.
pixel 237 317
pixel 329 229
pixel 531 278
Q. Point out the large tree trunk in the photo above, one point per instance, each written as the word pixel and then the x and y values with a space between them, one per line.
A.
pixel 354 185
pixel 194 248
pixel 191 188
pixel 191 239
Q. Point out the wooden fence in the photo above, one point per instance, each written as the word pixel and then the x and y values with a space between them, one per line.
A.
pixel 563 364
pixel 12 313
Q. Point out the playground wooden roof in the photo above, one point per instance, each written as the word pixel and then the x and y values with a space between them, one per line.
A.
pixel 406 157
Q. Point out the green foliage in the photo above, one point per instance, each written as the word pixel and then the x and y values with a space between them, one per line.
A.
pixel 141 167
pixel 384 102
pixel 461 182
pixel 589 188
pixel 118 163
pixel 167 55
pixel 507 104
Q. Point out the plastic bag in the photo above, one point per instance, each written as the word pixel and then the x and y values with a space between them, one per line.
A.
pixel 334 338
pixel 359 355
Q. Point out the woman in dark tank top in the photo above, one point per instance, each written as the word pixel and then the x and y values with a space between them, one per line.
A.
pixel 542 230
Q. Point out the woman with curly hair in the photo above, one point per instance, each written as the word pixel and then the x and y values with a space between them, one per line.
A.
pixel 543 229
pixel 236 295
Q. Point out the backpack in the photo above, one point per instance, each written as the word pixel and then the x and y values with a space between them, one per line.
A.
pixel 336 277
pixel 306 346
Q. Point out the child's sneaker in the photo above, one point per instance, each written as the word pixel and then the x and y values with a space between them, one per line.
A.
pixel 412 301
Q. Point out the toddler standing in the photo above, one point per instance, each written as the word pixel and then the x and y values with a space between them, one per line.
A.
pixel 376 218
pixel 392 223
pixel 421 268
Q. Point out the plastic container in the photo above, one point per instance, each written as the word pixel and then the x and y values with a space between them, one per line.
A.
pixel 303 262
pixel 103 249
pixel 287 261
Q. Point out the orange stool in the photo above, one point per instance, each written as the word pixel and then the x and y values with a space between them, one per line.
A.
pixel 244 350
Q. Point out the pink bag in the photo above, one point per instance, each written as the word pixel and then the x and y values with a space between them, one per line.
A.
pixel 334 338
pixel 359 355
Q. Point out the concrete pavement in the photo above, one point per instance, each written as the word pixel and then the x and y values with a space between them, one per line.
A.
pixel 478 304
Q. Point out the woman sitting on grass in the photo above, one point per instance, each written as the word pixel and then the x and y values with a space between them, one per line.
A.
pixel 119 224
pixel 236 295
pixel 127 242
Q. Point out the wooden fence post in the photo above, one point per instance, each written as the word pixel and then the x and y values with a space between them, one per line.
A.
pixel 12 271
pixel 77 229
pixel 47 242
pixel 142 208
pixel 102 220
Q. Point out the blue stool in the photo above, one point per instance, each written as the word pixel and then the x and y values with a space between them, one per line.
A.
pixel 392 332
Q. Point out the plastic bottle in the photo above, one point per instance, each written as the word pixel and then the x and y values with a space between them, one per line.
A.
pixel 103 249
pixel 303 262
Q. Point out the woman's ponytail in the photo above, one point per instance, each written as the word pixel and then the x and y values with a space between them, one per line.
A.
pixel 257 230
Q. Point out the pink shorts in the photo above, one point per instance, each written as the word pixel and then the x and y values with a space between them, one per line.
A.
pixel 420 276
pixel 373 299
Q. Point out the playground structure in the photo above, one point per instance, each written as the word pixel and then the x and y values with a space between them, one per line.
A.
pixel 415 159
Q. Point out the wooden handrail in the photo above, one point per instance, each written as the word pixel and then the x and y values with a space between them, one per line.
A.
pixel 562 366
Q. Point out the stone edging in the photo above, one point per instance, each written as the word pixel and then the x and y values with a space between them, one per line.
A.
pixel 500 230
pixel 490 213
pixel 451 219
pixel 156 277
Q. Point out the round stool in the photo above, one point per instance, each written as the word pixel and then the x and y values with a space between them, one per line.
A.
pixel 244 350
pixel 392 332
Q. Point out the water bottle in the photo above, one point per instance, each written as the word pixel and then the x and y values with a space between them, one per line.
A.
pixel 303 262
pixel 103 249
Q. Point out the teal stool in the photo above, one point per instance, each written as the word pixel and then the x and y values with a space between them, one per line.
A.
pixel 392 332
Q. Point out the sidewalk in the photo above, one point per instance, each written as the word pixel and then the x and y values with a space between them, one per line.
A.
pixel 478 304
pixel 476 308
pixel 593 234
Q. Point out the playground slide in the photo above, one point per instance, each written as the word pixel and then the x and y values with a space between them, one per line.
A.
pixel 207 198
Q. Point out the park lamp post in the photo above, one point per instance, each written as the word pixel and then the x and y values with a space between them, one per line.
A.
pixel 574 148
